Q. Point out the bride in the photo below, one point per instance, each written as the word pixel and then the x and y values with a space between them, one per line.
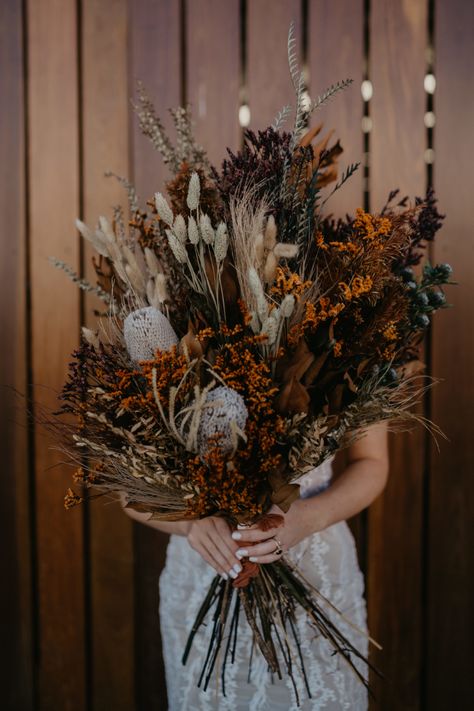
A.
pixel 316 537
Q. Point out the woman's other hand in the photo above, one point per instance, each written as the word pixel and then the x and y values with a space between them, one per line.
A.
pixel 300 521
pixel 211 538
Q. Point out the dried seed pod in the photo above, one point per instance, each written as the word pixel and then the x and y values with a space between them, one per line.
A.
pixel 259 248
pixel 270 233
pixel 207 230
pixel 193 232
pixel 269 270
pixel 194 189
pixel 163 209
pixel 285 250
pixel 179 228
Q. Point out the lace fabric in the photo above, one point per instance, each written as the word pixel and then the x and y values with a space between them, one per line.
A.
pixel 328 560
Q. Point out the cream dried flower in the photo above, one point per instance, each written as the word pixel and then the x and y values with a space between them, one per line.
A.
pixel 193 232
pixel 164 210
pixel 178 249
pixel 270 329
pixel 179 228
pixel 287 306
pixel 207 230
pixel 269 237
pixel 194 189
pixel 221 243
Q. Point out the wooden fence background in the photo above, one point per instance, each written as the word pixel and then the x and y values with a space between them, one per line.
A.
pixel 79 594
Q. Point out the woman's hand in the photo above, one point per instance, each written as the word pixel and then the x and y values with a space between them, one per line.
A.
pixel 211 538
pixel 262 546
pixel 362 480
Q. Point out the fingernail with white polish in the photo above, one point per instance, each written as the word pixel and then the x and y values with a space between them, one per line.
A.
pixel 238 568
pixel 242 553
pixel 253 559
pixel 232 573
pixel 236 536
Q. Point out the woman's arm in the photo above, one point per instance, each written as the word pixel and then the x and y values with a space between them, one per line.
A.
pixel 179 528
pixel 210 537
pixel 353 490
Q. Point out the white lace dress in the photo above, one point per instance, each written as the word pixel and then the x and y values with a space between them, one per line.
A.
pixel 329 561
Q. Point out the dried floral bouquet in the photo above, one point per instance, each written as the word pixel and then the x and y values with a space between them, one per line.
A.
pixel 245 339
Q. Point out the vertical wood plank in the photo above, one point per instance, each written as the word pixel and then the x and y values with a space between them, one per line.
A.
pixel 16 676
pixel 155 59
pixel 54 193
pixel 336 52
pixel 397 143
pixel 449 651
pixel 105 116
pixel 213 74
pixel 268 81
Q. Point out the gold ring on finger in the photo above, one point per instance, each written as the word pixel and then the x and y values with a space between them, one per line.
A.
pixel 279 549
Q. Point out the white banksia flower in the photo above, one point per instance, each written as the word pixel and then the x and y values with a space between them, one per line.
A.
pixel 285 250
pixel 178 249
pixel 179 228
pixel 287 306
pixel 224 415
pixel 270 328
pixel 270 233
pixel 164 210
pixel 207 230
pixel 193 232
pixel 146 331
pixel 194 189
pixel 222 242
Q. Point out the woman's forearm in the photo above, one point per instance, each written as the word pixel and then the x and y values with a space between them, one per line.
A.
pixel 179 528
pixel 353 490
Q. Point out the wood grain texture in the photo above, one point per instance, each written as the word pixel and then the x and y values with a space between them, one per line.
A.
pixel 450 541
pixel 155 59
pixel 54 194
pixel 213 74
pixel 335 53
pixel 397 144
pixel 268 83
pixel 105 118
pixel 16 669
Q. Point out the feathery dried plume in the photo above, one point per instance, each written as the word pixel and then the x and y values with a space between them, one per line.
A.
pixel 193 232
pixel 194 190
pixel 178 249
pixel 179 228
pixel 163 209
pixel 221 243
